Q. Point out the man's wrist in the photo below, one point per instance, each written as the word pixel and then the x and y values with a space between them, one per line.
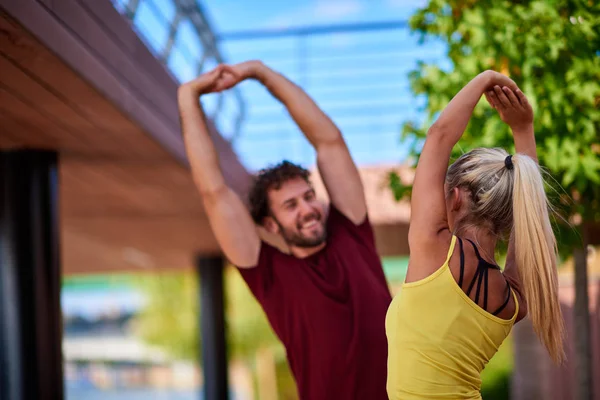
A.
pixel 187 93
pixel 257 70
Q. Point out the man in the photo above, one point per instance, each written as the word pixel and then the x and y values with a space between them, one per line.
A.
pixel 327 299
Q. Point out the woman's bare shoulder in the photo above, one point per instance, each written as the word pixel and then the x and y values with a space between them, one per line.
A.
pixel 428 254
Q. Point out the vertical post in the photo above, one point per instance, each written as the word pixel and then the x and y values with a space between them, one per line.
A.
pixel 30 316
pixel 583 348
pixel 212 327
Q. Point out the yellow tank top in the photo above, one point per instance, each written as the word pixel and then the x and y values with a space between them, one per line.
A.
pixel 439 340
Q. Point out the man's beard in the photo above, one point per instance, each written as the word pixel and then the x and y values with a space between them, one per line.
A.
pixel 297 239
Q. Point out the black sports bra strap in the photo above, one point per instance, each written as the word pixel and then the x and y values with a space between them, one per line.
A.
pixel 462 262
pixel 476 278
pixel 503 306
pixel 485 289
pixel 480 279
pixel 481 276
pixel 481 259
pixel 476 251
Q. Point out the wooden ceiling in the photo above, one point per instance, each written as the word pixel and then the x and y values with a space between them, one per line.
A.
pixel 93 92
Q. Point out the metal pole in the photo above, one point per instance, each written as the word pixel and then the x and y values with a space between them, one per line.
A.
pixel 312 30
pixel 212 327
pixel 30 315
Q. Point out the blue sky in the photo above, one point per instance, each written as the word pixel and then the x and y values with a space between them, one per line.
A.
pixel 235 15
pixel 359 79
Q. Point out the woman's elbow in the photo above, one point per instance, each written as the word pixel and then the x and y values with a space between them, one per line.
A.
pixel 437 130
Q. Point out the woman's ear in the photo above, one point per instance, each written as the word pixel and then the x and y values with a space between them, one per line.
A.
pixel 456 199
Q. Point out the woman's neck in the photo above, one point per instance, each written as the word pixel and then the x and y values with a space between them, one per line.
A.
pixel 484 239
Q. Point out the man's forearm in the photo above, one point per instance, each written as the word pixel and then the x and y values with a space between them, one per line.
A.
pixel 311 120
pixel 200 148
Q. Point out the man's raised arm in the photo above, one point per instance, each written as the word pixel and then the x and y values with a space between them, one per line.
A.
pixel 336 166
pixel 229 218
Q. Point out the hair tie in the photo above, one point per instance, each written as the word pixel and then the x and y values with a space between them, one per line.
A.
pixel 508 162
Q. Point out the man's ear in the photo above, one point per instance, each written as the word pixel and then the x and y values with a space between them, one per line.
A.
pixel 270 225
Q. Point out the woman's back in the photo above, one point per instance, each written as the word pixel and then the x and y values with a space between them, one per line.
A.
pixel 441 337
pixel 441 328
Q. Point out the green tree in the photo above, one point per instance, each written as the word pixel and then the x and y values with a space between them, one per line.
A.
pixel 551 49
pixel 169 319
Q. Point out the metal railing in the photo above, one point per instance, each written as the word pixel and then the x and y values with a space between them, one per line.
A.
pixel 179 35
pixel 357 73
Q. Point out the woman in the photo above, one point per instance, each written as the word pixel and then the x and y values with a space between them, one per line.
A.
pixel 456 306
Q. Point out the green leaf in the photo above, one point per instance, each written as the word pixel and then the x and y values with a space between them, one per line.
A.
pixel 571 173
pixel 591 166
pixel 400 190
pixel 551 157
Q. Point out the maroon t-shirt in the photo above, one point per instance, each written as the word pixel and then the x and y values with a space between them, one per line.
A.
pixel 329 311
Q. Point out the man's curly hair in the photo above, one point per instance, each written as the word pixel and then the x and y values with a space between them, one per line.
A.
pixel 271 178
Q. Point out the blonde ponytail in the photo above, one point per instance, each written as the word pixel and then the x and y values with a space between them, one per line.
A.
pixel 536 254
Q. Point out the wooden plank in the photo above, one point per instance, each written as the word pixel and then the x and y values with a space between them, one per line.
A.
pixel 39 62
pixel 51 105
pixel 53 75
pixel 11 128
pixel 107 195
pixel 122 31
pixel 169 243
pixel 112 21
pixel 82 254
pixel 37 129
pixel 9 138
pixel 125 189
pixel 73 118
pixel 108 51
pixel 61 41
pixel 42 129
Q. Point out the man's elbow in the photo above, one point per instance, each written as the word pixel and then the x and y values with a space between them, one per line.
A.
pixel 213 194
pixel 334 141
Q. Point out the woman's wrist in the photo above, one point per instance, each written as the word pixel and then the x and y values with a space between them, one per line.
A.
pixel 523 130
